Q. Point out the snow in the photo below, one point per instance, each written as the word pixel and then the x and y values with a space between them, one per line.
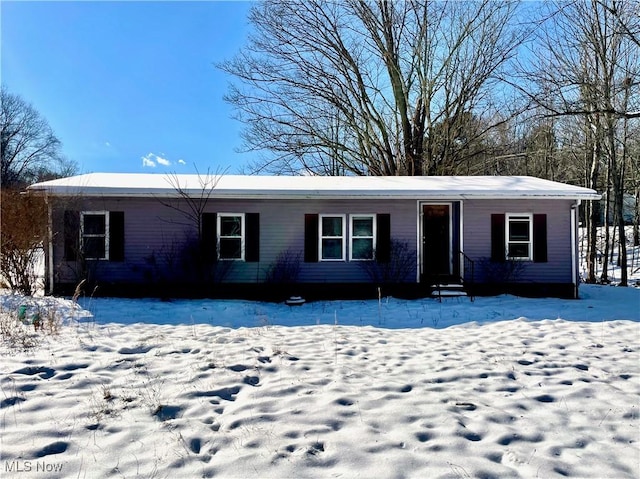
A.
pixel 613 270
pixel 229 186
pixel 498 387
pixel 389 313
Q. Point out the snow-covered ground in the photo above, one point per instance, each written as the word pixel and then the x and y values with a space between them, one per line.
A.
pixel 613 270
pixel 498 387
pixel 501 387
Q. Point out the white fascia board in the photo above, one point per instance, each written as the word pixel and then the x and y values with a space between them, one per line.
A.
pixel 280 187
pixel 338 195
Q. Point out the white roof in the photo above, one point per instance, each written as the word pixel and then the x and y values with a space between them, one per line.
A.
pixel 242 186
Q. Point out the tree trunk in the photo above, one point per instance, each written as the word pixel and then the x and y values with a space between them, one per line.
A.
pixel 618 183
pixel 604 276
pixel 592 220
pixel 636 219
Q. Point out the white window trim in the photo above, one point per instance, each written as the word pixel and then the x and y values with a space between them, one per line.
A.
pixel 372 237
pixel 507 242
pixel 219 236
pixel 343 237
pixel 106 233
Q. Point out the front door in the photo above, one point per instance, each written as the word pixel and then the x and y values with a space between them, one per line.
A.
pixel 436 243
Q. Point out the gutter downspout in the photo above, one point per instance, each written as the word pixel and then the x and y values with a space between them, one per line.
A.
pixel 574 248
pixel 49 255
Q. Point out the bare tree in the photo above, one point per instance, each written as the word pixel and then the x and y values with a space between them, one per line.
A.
pixel 628 25
pixel 29 150
pixel 191 205
pixel 369 87
pixel 194 251
pixel 584 64
pixel 633 155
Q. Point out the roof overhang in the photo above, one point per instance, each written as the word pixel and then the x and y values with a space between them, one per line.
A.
pixel 123 185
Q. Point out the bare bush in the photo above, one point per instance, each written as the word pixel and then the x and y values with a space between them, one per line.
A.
pixel 402 260
pixel 23 228
pixel 188 262
pixel 285 269
pixel 200 265
pixel 501 272
pixel 25 326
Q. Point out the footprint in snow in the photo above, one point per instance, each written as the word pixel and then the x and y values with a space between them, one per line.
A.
pixel 10 401
pixel 238 368
pixel 136 350
pixel 44 372
pixel 195 445
pixel 54 448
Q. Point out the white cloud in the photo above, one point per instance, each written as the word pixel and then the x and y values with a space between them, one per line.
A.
pixel 152 160
pixel 106 143
pixel 146 162
pixel 162 161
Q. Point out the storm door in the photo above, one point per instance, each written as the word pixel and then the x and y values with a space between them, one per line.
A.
pixel 436 243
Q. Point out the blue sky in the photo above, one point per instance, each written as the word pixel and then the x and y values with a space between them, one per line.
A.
pixel 129 86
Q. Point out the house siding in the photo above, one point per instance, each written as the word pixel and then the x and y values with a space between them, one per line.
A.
pixel 477 237
pixel 152 229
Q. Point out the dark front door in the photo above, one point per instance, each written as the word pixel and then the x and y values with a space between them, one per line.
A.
pixel 436 243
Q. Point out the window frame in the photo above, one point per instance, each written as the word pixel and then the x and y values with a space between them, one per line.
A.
pixel 104 235
pixel 508 217
pixel 220 237
pixel 343 238
pixel 372 237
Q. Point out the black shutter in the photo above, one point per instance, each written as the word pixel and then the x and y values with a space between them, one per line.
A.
pixel 116 236
pixel 209 236
pixel 252 237
pixel 497 238
pixel 540 238
pixel 383 238
pixel 71 235
pixel 311 238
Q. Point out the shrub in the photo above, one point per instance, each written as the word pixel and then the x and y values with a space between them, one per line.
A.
pixel 401 264
pixel 188 262
pixel 24 326
pixel 23 221
pixel 285 269
pixel 501 272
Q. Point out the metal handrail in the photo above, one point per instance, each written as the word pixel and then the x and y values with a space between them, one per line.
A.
pixel 468 265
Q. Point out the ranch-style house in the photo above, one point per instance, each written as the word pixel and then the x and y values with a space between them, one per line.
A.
pixel 271 237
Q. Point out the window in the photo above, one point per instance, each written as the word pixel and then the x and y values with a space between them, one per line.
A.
pixel 231 236
pixel 362 237
pixel 332 239
pixel 369 237
pixel 519 236
pixel 94 237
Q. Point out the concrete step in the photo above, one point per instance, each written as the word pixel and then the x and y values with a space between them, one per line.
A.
pixel 455 286
pixel 449 293
pixel 447 290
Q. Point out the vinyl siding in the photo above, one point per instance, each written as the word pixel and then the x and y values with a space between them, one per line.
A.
pixel 477 237
pixel 153 229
